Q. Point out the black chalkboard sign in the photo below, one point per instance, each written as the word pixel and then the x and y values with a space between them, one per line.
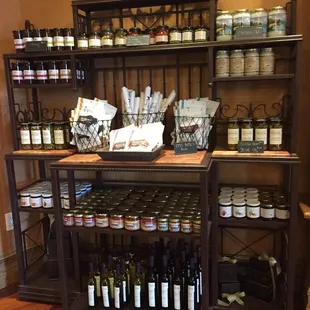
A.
pixel 185 148
pixel 36 46
pixel 251 147
pixel 249 32
pixel 140 40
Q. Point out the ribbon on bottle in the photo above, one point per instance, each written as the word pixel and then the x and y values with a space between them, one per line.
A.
pixel 227 259
pixel 232 298
pixel 272 262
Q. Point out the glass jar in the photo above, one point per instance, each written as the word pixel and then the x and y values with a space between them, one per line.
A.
pixel 65 72
pixel 275 134
pixel 69 39
pixel 117 220
pixel 224 26
pixel 261 131
pixel 17 73
pixel 225 208
pixel 48 137
pixel 237 63
pixel 47 37
pixel 222 64
pixel 58 39
pixel 247 130
pixel 120 38
pixel 201 33
pixel 18 41
pixel 27 36
pixel 239 208
pixel 36 200
pixel 36 136
pixel 242 18
pixel 68 219
pixel 28 73
pixel 267 210
pixel 53 72
pixel 175 35
pixel 253 209
pixel 37 35
pixel 282 211
pixel 41 72
pixel 102 220
pixel 186 225
pixel 89 220
pixel 174 224
pixel 47 200
pixel 94 41
pixel 83 41
pixel 233 134
pixel 162 223
pixel 277 22
pixel 197 225
pixel 132 222
pixel 162 34
pixel 59 136
pixel 25 137
pixel 107 39
pixel 266 61
pixel 79 219
pixel 148 222
pixel 259 18
pixel 25 200
pixel 251 62
pixel 134 31
pixel 152 33
pixel 188 34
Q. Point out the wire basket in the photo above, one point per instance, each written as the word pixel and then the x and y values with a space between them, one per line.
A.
pixel 142 119
pixel 193 129
pixel 90 135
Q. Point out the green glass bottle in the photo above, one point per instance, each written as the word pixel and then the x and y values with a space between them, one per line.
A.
pixel 118 289
pixel 138 288
pixel 97 279
pixel 124 282
pixel 191 287
pixel 127 271
pixel 111 275
pixel 152 284
pixel 164 284
pixel 91 287
pixel 105 288
pixel 199 271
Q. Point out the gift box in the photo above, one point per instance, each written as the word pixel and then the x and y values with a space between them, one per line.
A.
pixel 228 272
pixel 261 265
pixel 258 290
pixel 229 288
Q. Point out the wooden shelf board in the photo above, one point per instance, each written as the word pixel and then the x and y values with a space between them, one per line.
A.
pixel 254 78
pixel 37 210
pixel 58 85
pixel 39 154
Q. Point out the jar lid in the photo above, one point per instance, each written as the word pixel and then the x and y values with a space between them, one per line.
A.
pixel 239 189
pixel 25 194
pixel 175 29
pixel 118 214
pixel 160 27
pixel 260 10
pixel 79 215
pixel 47 195
pixel 242 10
pixel 102 214
pixel 261 120
pixel 132 216
pixel 186 220
pixel 252 50
pixel 223 12
pixel 275 119
pixel 283 206
pixel 238 196
pixel 268 49
pixel 188 28
pixel 197 220
pixel 238 51
pixel 174 219
pixel 134 29
pixel 68 214
pixel 247 121
pixel 267 204
pixel 162 219
pixel 238 202
pixel 89 215
pixel 279 7
pixel 35 195
pixel 253 203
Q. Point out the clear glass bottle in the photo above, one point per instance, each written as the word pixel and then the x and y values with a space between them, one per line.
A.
pixel 201 33
pixel 275 134
pixel 48 136
pixel 175 35
pixel 25 137
pixel 36 136
pixel 233 134
pixel 107 39
pixel 83 42
pixel 188 34
pixel 261 131
pixel 120 37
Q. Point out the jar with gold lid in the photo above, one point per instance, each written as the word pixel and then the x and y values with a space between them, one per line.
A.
pixel 132 222
pixel 36 136
pixel 148 222
pixel 117 220
pixel 174 223
pixel 197 225
pixel 186 224
pixel 162 223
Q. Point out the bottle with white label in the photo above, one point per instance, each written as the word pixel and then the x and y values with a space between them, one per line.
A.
pixel 177 288
pixel 233 132
pixel 138 288
pixel 41 72
pixel 94 41
pixel 58 39
pixel 118 289
pixel 275 134
pixel 18 41
pixel 191 288
pixel 124 282
pixel 28 73
pixel 151 284
pixel 164 282
pixel 261 131
pixel 110 275
pixel 25 137
pixel 98 280
pixel 48 38
pixel 105 288
pixel 91 287
pixel 17 73
pixel 267 210
pixel 247 131
pixel 199 271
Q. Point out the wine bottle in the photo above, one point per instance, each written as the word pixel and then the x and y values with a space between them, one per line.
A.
pixel 97 279
pixel 199 270
pixel 184 277
pixel 127 271
pixel 165 284
pixel 118 289
pixel 197 278
pixel 191 287
pixel 138 288
pixel 105 288
pixel 111 275
pixel 170 276
pixel 124 282
pixel 177 288
pixel 171 264
pixel 152 284
pixel 91 287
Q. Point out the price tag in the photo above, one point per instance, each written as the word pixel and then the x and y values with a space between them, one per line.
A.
pixel 249 32
pixel 185 148
pixel 36 46
pixel 251 147
pixel 139 40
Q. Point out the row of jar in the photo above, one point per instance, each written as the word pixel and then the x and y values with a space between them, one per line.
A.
pixel 253 209
pixel 273 23
pixel 43 72
pixel 270 131
pixel 245 62
pixel 57 39
pixel 132 221
pixel 45 136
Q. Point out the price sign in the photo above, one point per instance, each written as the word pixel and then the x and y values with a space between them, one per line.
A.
pixel 251 147
pixel 185 148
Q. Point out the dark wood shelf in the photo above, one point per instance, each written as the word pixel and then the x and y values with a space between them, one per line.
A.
pixel 37 210
pixel 156 49
pixel 252 224
pixel 39 154
pixel 58 85
pixel 254 78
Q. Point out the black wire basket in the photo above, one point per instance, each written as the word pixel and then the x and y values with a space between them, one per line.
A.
pixel 193 129
pixel 90 135
pixel 142 119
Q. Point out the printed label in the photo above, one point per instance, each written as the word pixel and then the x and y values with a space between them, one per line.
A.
pixel 49 41
pixel 267 213
pixel 111 281
pixel 163 38
pixel 223 26
pixel 251 65
pixel 124 291
pixel 277 22
pixel 237 66
pixel 91 295
pixel 47 137
pixel 25 137
pixel 164 295
pixel 253 212
pixel 275 136
pixel 225 211
pixel 25 201
pixel 222 66
pixel 59 41
pixel 247 134
pixel 261 21
pixel 117 300
pixel 53 74
pixel 239 211
pixel 197 291
pixel 28 75
pixel 282 214
pixel 25 40
pixel 69 41
pixel 191 297
pixel 107 42
pixel 105 296
pixel 65 74
pixel 137 296
pixel 59 137
pixel 19 44
pixel 242 21
pixel 200 282
pixel 94 42
pixel 175 36
pixel 17 75
pixel 151 288
pixel 36 137
pixel 233 136
pixel 187 36
pixel 120 41
pixel 267 64
pixel 177 297
pixel 152 40
pixel 261 134
pixel 83 43
pixel 41 75
pixel 200 35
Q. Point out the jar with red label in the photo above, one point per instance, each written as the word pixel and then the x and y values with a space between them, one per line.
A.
pixel 148 222
pixel 41 72
pixel 27 37
pixel 17 73
pixel 162 34
pixel 132 222
pixel 152 33
pixel 102 220
pixel 28 73
pixel 117 220
pixel 79 219
pixel 53 72
pixel 65 72
pixel 68 219
pixel 58 39
pixel 134 31
pixel 68 39
pixel 89 220
pixel 18 41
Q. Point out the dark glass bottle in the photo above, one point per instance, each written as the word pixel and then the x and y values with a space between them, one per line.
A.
pixel 98 280
pixel 118 288
pixel 91 287
pixel 191 287
pixel 69 39
pixel 105 288
pixel 170 274
pixel 17 73
pixel 41 73
pixel 111 275
pixel 197 278
pixel 152 287
pixel 29 75
pixel 37 36
pixel 127 271
pixel 47 36
pixel 65 72
pixel 58 39
pixel 199 271
pixel 53 72
pixel 184 275
pixel 27 37
pixel 18 41
pixel 138 288
pixel 124 282
pixel 177 288
pixel 164 282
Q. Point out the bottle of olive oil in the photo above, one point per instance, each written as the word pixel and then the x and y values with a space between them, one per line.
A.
pixel 151 284
pixel 164 283
pixel 118 289
pixel 97 279
pixel 105 288
pixel 91 287
pixel 138 288
pixel 124 282
pixel 192 287
pixel 111 275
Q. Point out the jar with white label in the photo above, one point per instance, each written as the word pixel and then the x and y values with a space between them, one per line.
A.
pixel 18 41
pixel 25 200
pixel 120 37
pixel 65 201
pixel 266 61
pixel 58 39
pixel 175 35
pixel 237 63
pixel 247 130
pixel 201 33
pixel 29 73
pixel 282 211
pixel 117 220
pixel 59 136
pixel 47 200
pixel 277 22
pixel 253 209
pixel 25 139
pixel 94 41
pixel 267 211
pixel 53 72
pixel 251 62
pixel 233 134
pixel 275 134
pixel 162 223
pixel 83 41
pixel 107 39
pixel 224 26
pixel 132 222
pixel 242 18
pixel 239 208
pixel 187 34
pixel 36 136
pixel 225 208
pixel 17 73
pixel 222 64
pixel 27 37
pixel 261 131
pixel 48 38
pixel 186 224
pixel 69 39
pixel 259 18
pixel 36 200
pixel 48 136
pixel 174 224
